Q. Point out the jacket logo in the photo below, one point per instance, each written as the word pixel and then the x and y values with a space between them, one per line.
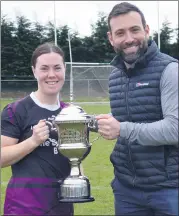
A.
pixel 141 84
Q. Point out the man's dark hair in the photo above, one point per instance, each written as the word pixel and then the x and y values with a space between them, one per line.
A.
pixel 124 8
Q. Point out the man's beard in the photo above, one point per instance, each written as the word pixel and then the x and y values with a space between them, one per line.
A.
pixel 131 58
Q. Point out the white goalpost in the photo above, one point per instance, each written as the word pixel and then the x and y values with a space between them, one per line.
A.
pixel 71 69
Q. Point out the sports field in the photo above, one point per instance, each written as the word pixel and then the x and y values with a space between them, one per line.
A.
pixel 97 168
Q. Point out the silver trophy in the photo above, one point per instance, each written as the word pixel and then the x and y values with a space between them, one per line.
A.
pixel 73 125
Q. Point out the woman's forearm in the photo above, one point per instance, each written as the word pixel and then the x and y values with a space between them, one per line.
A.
pixel 14 153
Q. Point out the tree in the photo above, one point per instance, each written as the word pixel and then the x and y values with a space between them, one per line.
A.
pixel 7 46
pixel 63 41
pixel 102 49
pixel 20 38
pixel 49 33
pixel 39 34
pixel 165 37
pixel 175 46
pixel 87 50
pixel 24 46
pixel 77 47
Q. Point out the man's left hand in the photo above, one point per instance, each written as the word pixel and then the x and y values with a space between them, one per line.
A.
pixel 108 126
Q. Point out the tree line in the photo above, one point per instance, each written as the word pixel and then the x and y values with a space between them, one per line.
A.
pixel 19 38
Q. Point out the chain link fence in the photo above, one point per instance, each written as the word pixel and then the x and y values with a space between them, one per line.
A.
pixel 89 83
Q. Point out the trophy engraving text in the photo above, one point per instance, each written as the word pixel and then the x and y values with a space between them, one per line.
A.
pixel 69 135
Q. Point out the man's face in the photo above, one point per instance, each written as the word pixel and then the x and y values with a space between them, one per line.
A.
pixel 128 36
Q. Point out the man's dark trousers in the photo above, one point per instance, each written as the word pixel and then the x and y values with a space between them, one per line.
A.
pixel 133 201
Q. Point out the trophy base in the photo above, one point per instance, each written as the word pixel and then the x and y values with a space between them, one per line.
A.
pixel 76 200
pixel 75 189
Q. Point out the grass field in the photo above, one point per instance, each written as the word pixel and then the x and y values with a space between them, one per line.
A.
pixel 97 168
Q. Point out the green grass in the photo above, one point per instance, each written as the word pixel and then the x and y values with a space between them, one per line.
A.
pixel 97 168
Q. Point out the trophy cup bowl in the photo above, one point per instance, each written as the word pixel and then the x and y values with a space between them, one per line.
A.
pixel 73 125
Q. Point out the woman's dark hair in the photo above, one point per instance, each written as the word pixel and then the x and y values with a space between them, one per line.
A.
pixel 124 8
pixel 44 49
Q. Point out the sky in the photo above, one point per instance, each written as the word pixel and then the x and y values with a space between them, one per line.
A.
pixel 79 15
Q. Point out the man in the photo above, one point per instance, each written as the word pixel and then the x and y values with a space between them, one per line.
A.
pixel 143 91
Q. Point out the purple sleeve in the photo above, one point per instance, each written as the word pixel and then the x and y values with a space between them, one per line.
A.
pixel 63 104
pixel 10 125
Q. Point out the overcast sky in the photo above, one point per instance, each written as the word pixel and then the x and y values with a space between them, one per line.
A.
pixel 79 15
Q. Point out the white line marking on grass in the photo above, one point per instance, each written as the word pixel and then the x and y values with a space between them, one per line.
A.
pixel 4 183
pixel 100 187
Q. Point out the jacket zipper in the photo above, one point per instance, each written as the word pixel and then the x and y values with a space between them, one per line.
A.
pixel 128 143
pixel 127 99
pixel 133 181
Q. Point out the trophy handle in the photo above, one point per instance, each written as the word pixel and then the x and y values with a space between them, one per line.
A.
pixel 51 125
pixel 93 126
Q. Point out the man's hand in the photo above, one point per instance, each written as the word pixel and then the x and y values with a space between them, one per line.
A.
pixel 108 126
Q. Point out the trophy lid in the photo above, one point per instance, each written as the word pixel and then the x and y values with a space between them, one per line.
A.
pixel 71 113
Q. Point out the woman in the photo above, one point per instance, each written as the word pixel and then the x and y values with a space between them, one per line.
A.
pixel 29 147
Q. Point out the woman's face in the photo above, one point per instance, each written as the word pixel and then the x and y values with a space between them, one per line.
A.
pixel 50 73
